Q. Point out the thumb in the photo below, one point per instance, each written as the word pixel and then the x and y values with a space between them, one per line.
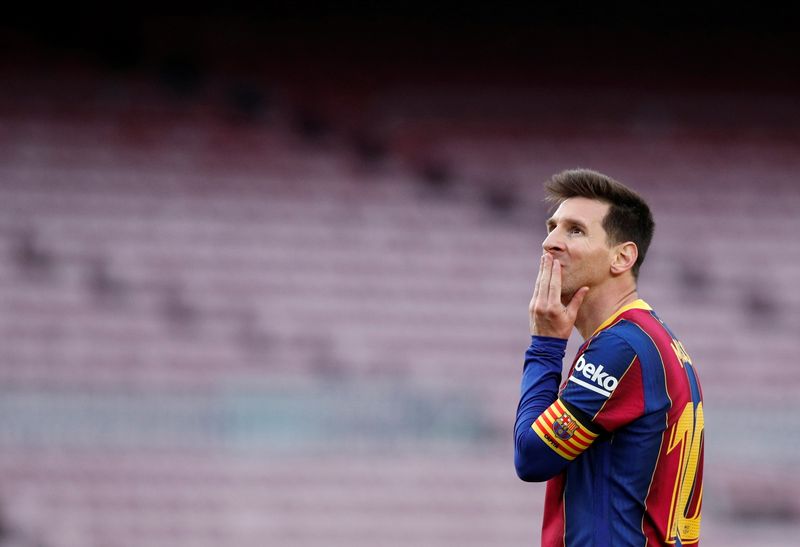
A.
pixel 577 299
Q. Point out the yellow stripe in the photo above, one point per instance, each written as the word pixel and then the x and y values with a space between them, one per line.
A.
pixel 567 448
pixel 635 305
pixel 583 445
pixel 586 435
pixel 583 437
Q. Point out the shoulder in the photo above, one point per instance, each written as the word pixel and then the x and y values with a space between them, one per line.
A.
pixel 640 335
pixel 622 336
pixel 628 335
pixel 633 329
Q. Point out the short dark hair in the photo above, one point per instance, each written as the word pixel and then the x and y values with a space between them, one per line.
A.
pixel 628 217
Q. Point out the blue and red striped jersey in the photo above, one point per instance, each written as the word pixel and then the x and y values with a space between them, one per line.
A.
pixel 620 441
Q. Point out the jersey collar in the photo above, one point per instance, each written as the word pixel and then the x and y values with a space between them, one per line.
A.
pixel 638 304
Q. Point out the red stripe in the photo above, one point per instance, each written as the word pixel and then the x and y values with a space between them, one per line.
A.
pixel 580 447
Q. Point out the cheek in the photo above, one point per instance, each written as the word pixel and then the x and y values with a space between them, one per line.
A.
pixel 595 263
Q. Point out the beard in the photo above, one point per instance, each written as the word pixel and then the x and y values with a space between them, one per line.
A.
pixel 568 286
pixel 568 290
pixel 571 282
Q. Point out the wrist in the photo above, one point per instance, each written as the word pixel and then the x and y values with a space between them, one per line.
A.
pixel 548 343
pixel 551 333
pixel 546 351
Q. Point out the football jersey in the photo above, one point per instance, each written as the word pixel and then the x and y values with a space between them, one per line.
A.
pixel 626 430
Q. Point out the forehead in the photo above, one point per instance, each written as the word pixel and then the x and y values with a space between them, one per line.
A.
pixel 585 210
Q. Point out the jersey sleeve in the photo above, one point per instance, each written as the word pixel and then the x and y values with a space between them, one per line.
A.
pixel 603 392
pixel 548 433
pixel 605 383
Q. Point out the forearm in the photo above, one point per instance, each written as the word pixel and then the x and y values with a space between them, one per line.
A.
pixel 541 376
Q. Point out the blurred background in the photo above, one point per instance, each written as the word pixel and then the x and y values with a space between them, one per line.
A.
pixel 264 280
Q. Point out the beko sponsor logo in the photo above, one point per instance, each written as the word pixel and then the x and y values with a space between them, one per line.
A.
pixel 596 379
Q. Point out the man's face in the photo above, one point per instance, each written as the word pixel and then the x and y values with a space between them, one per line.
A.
pixel 577 239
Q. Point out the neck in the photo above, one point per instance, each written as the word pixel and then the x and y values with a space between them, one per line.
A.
pixel 601 303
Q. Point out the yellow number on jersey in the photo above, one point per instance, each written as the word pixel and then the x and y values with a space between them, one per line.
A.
pixel 680 352
pixel 686 434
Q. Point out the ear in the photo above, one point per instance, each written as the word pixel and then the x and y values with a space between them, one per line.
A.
pixel 624 257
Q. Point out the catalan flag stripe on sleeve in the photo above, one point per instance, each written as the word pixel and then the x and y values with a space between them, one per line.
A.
pixel 559 430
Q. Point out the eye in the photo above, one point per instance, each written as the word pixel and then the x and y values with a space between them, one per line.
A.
pixel 576 230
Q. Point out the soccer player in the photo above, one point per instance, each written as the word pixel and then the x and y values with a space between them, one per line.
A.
pixel 620 441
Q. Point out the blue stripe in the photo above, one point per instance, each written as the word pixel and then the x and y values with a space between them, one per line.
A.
pixel 693 383
pixel 643 437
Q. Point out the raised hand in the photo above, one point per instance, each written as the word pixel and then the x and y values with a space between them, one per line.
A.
pixel 548 316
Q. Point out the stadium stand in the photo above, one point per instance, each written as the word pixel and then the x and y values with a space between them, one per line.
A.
pixel 220 333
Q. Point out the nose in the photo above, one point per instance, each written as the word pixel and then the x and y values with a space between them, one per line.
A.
pixel 553 242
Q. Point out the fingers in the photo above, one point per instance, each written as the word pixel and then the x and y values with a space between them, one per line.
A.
pixel 549 316
pixel 554 295
pixel 545 310
pixel 544 284
pixel 538 280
